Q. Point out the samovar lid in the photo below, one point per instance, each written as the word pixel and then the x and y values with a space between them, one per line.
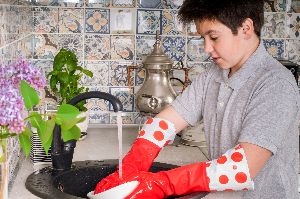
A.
pixel 157 59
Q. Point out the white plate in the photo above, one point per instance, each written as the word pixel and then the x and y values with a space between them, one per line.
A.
pixel 118 192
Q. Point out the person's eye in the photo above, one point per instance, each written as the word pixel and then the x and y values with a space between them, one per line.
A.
pixel 213 38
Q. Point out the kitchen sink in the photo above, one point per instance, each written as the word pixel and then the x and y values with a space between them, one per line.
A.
pixel 82 178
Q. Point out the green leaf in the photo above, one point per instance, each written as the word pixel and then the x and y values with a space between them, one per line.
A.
pixel 53 82
pixel 81 106
pixel 71 134
pixel 27 132
pixel 47 145
pixel 59 60
pixel 3 146
pixel 30 96
pixel 54 72
pixel 67 112
pixel 59 121
pixel 36 120
pixel 47 130
pixel 68 124
pixel 71 65
pixel 71 56
pixel 25 142
pixel 79 68
pixel 7 135
pixel 87 72
pixel 63 77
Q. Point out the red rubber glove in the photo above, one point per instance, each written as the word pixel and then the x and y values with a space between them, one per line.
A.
pixel 179 181
pixel 155 134
pixel 229 172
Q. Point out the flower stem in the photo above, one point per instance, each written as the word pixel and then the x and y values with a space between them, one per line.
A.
pixel 4 186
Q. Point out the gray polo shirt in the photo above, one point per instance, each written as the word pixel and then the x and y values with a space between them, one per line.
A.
pixel 259 104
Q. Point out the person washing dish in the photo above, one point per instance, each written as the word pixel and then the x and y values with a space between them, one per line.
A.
pixel 249 104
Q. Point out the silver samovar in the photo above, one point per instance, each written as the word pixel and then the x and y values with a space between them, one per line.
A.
pixel 156 92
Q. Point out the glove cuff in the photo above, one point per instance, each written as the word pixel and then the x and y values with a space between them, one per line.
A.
pixel 230 172
pixel 159 131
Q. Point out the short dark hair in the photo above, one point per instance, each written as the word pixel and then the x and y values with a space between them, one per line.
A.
pixel 232 13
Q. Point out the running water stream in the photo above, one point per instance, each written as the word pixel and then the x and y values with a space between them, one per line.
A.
pixel 119 125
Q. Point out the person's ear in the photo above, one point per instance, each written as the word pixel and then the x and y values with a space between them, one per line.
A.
pixel 247 28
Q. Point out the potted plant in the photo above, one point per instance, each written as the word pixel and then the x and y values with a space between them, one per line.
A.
pixel 19 83
pixel 65 81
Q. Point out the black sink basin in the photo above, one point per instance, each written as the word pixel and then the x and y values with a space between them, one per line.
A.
pixel 81 179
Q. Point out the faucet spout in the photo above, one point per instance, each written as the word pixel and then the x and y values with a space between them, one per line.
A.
pixel 62 152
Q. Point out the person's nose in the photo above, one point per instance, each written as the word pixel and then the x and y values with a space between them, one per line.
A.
pixel 208 47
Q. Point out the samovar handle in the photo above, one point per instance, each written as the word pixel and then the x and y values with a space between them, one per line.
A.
pixel 130 84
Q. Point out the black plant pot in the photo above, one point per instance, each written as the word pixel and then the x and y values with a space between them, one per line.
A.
pixel 62 152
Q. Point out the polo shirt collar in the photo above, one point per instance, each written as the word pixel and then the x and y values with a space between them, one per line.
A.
pixel 238 79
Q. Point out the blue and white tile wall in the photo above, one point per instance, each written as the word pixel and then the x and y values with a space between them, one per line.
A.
pixel 110 35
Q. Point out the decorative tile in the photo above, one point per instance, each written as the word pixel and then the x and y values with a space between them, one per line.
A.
pixel 26 21
pixel 144 46
pixel 100 73
pixel 139 75
pixel 123 3
pixel 149 4
pixel 72 42
pixel 275 6
pixel 70 20
pixel 119 74
pixel 11 19
pixel 170 23
pixel 72 3
pixel 45 46
pixel 122 21
pixel 8 53
pixel 97 3
pixel 122 47
pixel 97 47
pixel 295 6
pixel 97 21
pixel 139 119
pixel 195 50
pixel 99 118
pixel 96 105
pixel 274 25
pixel 25 46
pixel 174 47
pixel 275 47
pixel 293 25
pixel 123 94
pixel 127 118
pixel 148 21
pixel 45 3
pixel 293 50
pixel 45 66
pixel 172 4
pixel 45 20
pixel 177 78
pixel 196 68
pixel 20 2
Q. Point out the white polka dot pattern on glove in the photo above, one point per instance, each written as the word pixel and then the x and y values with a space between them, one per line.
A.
pixel 230 172
pixel 159 131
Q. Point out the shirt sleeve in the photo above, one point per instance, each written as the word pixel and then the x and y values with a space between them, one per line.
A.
pixel 271 115
pixel 189 104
